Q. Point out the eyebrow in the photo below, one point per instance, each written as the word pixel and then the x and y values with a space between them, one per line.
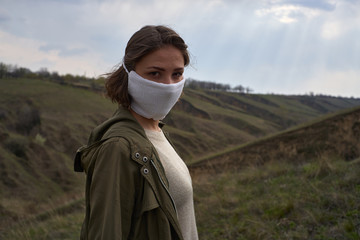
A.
pixel 162 69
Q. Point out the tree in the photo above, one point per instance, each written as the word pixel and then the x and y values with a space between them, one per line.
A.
pixel 20 72
pixel 43 73
pixel 3 70
pixel 56 77
pixel 248 90
pixel 239 89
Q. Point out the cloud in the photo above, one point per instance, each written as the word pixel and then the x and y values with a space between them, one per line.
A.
pixel 290 11
pixel 331 30
pixel 344 20
pixel 130 15
pixel 62 50
pixel 324 5
pixel 26 53
pixel 344 83
pixel 4 17
pixel 287 13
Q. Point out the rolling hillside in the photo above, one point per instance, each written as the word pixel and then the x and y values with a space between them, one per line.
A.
pixel 302 183
pixel 332 135
pixel 43 123
pixel 210 121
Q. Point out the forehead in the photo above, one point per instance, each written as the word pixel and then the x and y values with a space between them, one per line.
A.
pixel 168 56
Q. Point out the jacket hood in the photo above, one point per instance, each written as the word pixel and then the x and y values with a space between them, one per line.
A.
pixel 121 123
pixel 122 118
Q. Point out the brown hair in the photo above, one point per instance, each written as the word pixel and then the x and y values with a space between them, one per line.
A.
pixel 143 42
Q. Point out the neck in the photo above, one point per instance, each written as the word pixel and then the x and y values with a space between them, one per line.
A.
pixel 146 123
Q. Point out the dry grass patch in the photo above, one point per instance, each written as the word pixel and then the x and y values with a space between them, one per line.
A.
pixel 316 200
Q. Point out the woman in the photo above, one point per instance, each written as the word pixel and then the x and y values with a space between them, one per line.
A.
pixel 137 185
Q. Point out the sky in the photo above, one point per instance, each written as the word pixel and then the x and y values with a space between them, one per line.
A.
pixel 270 46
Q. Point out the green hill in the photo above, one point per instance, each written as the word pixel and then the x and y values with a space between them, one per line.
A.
pixel 41 126
pixel 302 183
pixel 42 123
pixel 206 122
pixel 336 134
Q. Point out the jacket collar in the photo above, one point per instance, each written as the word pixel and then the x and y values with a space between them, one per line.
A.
pixel 121 124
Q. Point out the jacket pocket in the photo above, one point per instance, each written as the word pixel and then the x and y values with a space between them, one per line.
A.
pixel 152 223
pixel 149 201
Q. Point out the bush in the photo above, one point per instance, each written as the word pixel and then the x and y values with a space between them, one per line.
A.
pixel 2 114
pixel 17 146
pixel 28 118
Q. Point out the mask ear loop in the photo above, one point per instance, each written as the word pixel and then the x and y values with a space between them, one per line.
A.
pixel 125 67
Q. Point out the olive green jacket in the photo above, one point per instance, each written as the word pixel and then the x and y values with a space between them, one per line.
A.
pixel 127 193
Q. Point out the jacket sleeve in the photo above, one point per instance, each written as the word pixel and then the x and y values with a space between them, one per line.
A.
pixel 112 192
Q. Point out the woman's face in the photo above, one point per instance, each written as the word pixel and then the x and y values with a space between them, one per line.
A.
pixel 165 65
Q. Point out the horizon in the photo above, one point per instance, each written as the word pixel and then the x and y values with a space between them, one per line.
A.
pixel 246 90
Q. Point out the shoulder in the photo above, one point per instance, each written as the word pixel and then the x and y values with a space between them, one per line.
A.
pixel 131 136
pixel 126 146
pixel 115 143
pixel 114 155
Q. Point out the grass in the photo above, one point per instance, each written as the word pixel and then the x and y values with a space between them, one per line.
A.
pixel 225 151
pixel 316 200
pixel 62 222
pixel 38 166
pixel 56 227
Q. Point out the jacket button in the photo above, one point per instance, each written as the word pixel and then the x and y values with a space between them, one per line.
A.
pixel 137 155
pixel 145 159
pixel 146 171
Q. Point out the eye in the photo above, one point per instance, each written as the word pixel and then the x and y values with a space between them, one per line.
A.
pixel 154 74
pixel 177 74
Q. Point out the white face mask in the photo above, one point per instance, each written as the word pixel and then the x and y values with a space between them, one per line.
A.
pixel 150 99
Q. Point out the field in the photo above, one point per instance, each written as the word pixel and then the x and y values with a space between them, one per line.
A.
pixel 273 196
pixel 319 199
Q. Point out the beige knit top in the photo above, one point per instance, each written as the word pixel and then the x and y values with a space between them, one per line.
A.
pixel 180 185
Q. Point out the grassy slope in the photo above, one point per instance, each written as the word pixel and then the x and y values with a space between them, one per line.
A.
pixel 213 121
pixel 204 123
pixel 283 195
pixel 281 200
pixel 337 133
pixel 36 167
pixel 317 198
